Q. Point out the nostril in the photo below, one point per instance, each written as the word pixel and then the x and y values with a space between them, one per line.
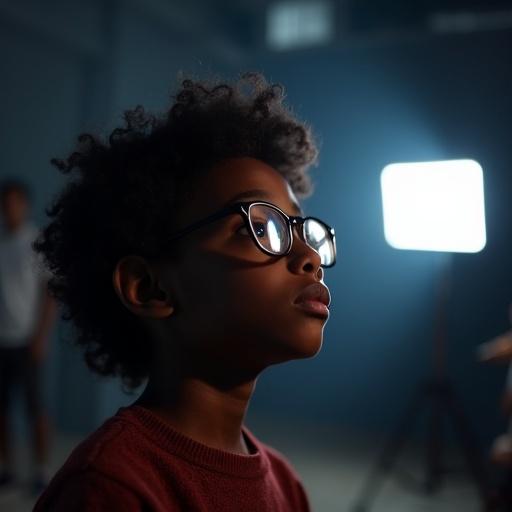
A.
pixel 309 267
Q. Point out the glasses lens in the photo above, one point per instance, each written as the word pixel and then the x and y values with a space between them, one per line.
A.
pixel 318 237
pixel 270 228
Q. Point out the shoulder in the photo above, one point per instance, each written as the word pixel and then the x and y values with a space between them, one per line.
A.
pixel 281 466
pixel 89 490
pixel 118 467
pixel 286 475
pixel 289 479
pixel 109 448
pixel 278 461
pixel 101 465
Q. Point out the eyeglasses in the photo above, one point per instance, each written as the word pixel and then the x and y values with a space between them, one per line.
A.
pixel 271 229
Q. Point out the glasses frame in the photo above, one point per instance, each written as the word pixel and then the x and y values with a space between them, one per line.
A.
pixel 243 208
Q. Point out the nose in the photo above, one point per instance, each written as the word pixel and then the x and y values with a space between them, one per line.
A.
pixel 302 258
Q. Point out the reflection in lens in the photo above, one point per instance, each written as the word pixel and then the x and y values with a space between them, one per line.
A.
pixel 315 232
pixel 318 238
pixel 274 235
pixel 326 253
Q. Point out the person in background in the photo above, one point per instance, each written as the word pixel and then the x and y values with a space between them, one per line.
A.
pixel 499 350
pixel 27 313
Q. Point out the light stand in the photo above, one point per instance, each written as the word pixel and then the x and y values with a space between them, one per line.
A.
pixel 447 195
pixel 437 393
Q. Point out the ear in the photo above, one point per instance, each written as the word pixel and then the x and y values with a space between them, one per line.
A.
pixel 137 287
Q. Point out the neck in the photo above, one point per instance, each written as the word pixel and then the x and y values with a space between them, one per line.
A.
pixel 208 413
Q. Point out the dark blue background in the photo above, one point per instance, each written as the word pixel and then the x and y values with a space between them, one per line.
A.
pixel 69 67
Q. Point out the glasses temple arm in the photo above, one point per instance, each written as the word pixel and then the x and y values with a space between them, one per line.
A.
pixel 203 222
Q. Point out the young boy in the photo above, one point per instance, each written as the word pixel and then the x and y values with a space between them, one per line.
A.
pixel 179 256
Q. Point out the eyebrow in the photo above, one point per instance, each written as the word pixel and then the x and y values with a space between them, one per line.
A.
pixel 259 193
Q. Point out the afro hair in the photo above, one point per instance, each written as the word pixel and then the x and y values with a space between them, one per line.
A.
pixel 123 191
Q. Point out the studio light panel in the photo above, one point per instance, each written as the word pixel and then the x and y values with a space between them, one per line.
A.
pixel 434 206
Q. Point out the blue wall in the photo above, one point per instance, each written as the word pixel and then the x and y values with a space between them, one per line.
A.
pixel 370 105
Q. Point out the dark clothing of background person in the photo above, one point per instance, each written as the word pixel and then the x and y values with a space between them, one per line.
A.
pixel 26 315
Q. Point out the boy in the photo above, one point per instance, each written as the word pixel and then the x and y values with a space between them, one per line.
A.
pixel 180 257
pixel 27 314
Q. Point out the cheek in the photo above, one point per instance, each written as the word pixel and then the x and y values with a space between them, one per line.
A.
pixel 247 313
pixel 272 329
pixel 264 311
pixel 221 301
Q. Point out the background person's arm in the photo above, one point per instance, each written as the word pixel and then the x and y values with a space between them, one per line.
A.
pixel 43 327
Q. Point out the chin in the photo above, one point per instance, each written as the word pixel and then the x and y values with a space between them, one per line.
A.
pixel 305 343
pixel 293 337
pixel 311 348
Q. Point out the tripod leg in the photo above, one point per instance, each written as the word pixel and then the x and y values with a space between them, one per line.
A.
pixel 470 447
pixel 435 437
pixel 385 462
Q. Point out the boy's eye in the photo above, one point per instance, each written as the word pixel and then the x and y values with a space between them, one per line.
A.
pixel 259 228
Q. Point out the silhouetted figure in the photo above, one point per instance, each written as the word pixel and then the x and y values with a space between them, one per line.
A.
pixel 26 316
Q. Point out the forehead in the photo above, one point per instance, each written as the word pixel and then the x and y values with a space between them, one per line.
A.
pixel 237 176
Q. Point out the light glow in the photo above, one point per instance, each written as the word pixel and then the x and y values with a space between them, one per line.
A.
pixel 299 23
pixel 434 206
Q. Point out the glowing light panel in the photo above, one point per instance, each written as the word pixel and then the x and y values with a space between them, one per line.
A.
pixel 434 206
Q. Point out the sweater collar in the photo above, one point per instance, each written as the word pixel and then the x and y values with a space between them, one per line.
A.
pixel 244 466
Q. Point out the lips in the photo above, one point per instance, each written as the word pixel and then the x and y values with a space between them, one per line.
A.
pixel 315 292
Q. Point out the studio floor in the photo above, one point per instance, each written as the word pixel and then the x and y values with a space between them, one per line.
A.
pixel 333 467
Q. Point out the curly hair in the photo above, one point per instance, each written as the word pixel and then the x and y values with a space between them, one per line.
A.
pixel 124 192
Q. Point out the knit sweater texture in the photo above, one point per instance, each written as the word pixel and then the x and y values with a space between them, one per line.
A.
pixel 137 462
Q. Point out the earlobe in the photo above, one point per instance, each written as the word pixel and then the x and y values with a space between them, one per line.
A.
pixel 137 287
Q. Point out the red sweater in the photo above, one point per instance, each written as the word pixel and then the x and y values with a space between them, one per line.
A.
pixel 136 462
